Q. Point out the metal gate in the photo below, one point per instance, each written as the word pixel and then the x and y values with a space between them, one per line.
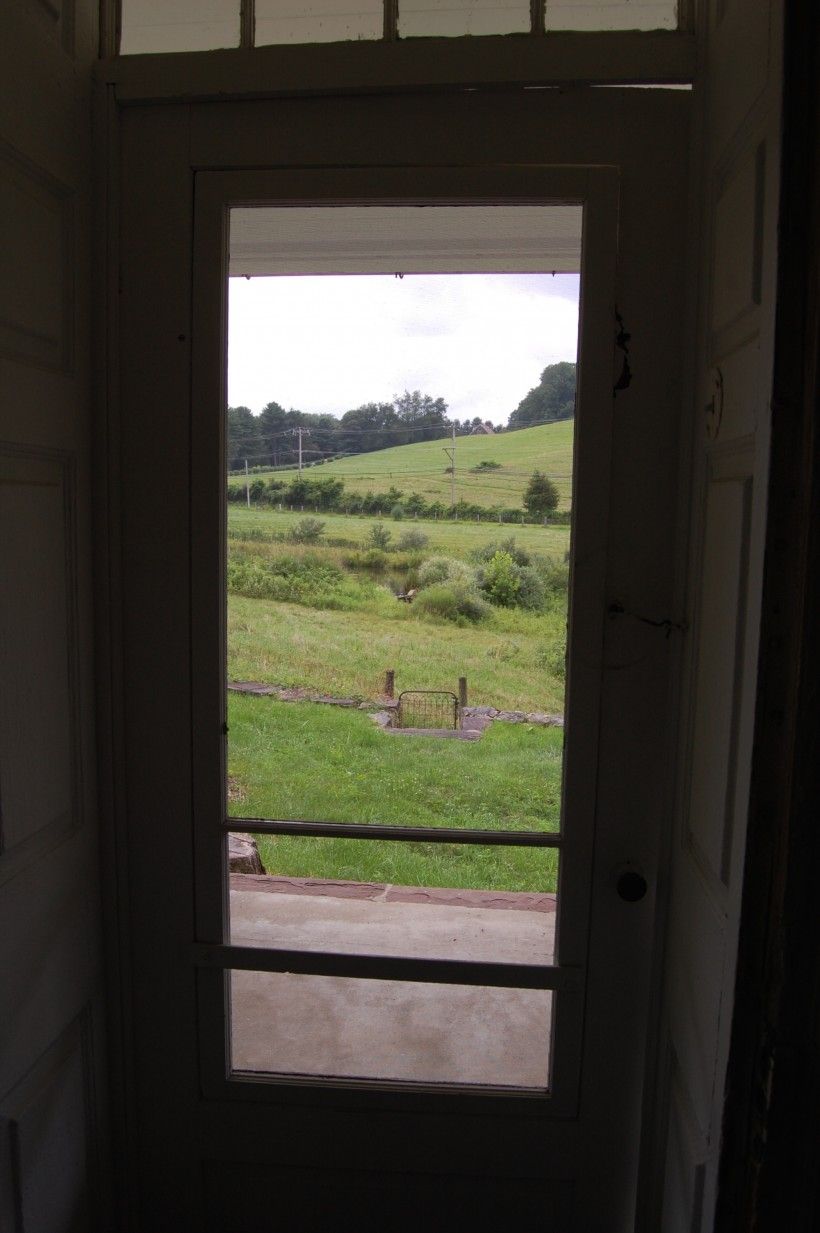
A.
pixel 428 708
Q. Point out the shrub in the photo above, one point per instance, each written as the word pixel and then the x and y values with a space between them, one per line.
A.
pixel 306 531
pixel 411 540
pixel 436 570
pixel 308 580
pixel 502 580
pixel 373 558
pixel 486 464
pixel 451 603
pixel 487 551
pixel 379 536
pixel 555 576
pixel 532 590
pixel 397 513
pixel 553 657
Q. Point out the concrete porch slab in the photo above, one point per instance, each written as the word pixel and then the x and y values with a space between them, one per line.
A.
pixel 294 1024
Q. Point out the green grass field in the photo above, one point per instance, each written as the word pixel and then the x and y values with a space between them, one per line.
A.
pixel 301 760
pixel 338 636
pixel 452 538
pixel 513 661
pixel 421 468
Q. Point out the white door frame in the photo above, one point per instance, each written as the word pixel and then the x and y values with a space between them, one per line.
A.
pixel 216 191
pixel 163 387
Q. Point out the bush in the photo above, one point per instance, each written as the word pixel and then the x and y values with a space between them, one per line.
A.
pixel 397 513
pixel 555 576
pixel 487 551
pixel 306 531
pixel 309 581
pixel 502 580
pixel 412 540
pixel 436 570
pixel 532 591
pixel 450 603
pixel 374 559
pixel 553 657
pixel 486 465
pixel 379 536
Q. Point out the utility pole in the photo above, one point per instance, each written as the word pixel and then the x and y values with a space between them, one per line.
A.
pixel 247 486
pixel 300 432
pixel 450 451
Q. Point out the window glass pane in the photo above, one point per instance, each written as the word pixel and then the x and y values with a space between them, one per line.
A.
pixel 178 25
pixel 317 21
pixel 456 17
pixel 377 897
pixel 335 1027
pixel 611 15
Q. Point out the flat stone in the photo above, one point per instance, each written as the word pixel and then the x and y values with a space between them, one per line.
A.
pixel 434 896
pixel 254 687
pixel 509 901
pixel 384 719
pixel 441 734
pixel 243 855
pixel 274 885
pixel 546 721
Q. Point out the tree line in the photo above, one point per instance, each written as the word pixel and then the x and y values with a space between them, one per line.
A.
pixel 271 438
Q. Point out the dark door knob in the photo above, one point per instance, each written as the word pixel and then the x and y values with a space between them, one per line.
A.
pixel 631 886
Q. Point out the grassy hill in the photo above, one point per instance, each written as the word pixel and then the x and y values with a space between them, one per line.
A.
pixel 421 468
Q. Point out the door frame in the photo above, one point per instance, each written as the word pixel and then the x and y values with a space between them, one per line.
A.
pixel 152 375
pixel 215 193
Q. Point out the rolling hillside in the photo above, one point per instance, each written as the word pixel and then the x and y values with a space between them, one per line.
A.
pixel 422 468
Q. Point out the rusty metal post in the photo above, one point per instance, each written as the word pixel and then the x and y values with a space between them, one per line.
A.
pixel 462 692
pixel 390 682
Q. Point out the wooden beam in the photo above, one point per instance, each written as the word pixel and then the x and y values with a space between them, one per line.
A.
pixel 619 58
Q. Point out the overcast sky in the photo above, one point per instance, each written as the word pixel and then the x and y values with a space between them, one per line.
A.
pixel 331 343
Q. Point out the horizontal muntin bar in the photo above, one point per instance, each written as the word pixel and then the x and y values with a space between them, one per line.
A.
pixel 387 967
pixel 380 830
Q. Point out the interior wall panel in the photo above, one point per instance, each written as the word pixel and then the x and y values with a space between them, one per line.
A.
pixel 734 252
pixel 46 1140
pixel 310 1198
pixel 52 1082
pixel 36 284
pixel 740 59
pixel 39 741
pixel 718 676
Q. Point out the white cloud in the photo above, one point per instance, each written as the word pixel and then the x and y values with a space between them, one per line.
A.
pixel 330 343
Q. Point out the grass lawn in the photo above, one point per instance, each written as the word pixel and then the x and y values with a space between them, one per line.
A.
pixel 421 467
pixel 336 629
pixel 451 538
pixel 301 760
pixel 510 663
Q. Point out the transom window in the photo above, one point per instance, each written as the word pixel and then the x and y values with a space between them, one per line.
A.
pixel 150 26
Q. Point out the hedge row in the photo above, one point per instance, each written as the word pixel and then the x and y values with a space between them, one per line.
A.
pixel 327 495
